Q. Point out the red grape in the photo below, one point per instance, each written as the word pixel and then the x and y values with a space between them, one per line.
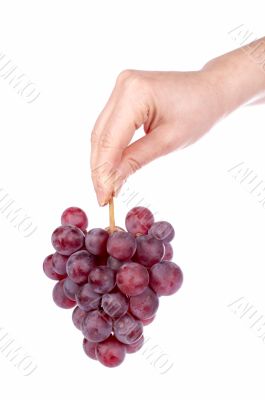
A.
pixel 102 279
pixel 79 265
pixel 74 216
pixel 113 263
pixel 168 252
pixel 134 347
pixel 115 304
pixel 78 316
pixel 96 241
pixel 59 262
pixel 162 230
pixel 67 239
pixel 132 278
pixel 148 321
pixel 165 278
pixel 70 288
pixel 149 250
pixel 121 245
pixel 127 329
pixel 139 220
pixel 48 269
pixel 59 297
pixel 90 348
pixel 144 305
pixel 111 352
pixel 87 299
pixel 97 326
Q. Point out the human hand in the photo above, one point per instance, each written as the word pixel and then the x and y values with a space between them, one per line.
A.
pixel 175 109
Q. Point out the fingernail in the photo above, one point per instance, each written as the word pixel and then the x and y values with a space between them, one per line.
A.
pixel 101 198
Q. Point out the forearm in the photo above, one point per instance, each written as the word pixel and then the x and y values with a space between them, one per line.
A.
pixel 239 76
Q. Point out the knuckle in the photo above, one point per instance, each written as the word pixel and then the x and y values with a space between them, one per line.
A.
pixel 128 78
pixel 133 164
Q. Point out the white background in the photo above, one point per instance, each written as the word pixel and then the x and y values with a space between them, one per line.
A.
pixel 73 51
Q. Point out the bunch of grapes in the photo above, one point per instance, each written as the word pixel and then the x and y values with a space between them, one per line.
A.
pixel 113 278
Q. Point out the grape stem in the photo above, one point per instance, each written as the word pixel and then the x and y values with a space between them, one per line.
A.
pixel 111 216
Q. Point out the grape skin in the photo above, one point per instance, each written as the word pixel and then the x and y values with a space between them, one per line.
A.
pixel 87 299
pixel 168 252
pixel 48 269
pixel 97 326
pixel 121 245
pixel 114 263
pixel 165 278
pixel 134 347
pixel 149 250
pixel 90 348
pixel 127 329
pixel 111 352
pixel 132 278
pixel 145 305
pixel 67 239
pixel 59 297
pixel 59 262
pixel 70 288
pixel 115 304
pixel 78 316
pixel 96 241
pixel 79 266
pixel 102 279
pixel 75 216
pixel 139 220
pixel 162 230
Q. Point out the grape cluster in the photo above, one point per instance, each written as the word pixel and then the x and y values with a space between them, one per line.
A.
pixel 113 279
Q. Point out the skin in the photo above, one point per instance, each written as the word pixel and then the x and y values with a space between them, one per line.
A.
pixel 174 108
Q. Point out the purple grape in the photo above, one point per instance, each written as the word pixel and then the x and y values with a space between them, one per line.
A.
pixel 67 239
pixel 74 216
pixel 97 326
pixel 134 347
pixel 165 278
pixel 59 262
pixel 149 250
pixel 121 245
pixel 168 252
pixel 96 241
pixel 139 220
pixel 48 269
pixel 145 305
pixel 162 230
pixel 78 316
pixel 115 304
pixel 114 263
pixel 102 279
pixel 111 352
pixel 70 288
pixel 79 265
pixel 87 299
pixel 59 297
pixel 132 278
pixel 90 348
pixel 127 329
pixel 148 321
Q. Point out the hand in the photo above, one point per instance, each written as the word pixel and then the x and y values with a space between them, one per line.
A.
pixel 175 109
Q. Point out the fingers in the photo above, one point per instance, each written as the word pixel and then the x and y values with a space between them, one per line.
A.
pixel 125 111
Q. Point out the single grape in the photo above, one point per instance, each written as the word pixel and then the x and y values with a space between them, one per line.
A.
pixel 168 252
pixel 96 241
pixel 59 262
pixel 74 216
pixel 70 288
pixel 127 329
pixel 165 278
pixel 115 304
pixel 114 263
pixel 162 230
pixel 144 305
pixel 97 326
pixel 111 352
pixel 121 245
pixel 59 297
pixel 139 220
pixel 148 321
pixel 149 250
pixel 48 269
pixel 78 316
pixel 87 299
pixel 134 347
pixel 67 239
pixel 79 265
pixel 90 348
pixel 132 278
pixel 102 279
